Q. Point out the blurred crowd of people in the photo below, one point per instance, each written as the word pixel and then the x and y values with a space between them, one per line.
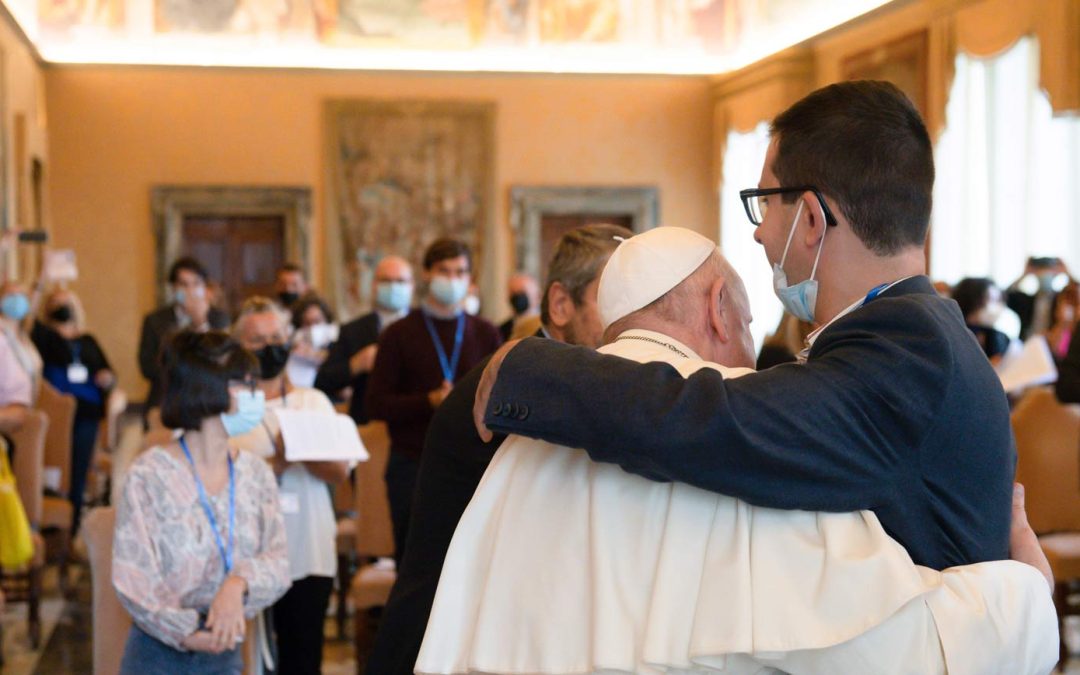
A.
pixel 215 380
pixel 1043 302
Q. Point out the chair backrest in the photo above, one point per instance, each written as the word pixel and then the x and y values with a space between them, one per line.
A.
pixel 115 405
pixel 29 462
pixel 111 620
pixel 1048 448
pixel 61 411
pixel 374 530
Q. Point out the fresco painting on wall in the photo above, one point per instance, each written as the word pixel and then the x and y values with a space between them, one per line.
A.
pixel 302 19
pixel 62 16
pixel 691 35
pixel 402 175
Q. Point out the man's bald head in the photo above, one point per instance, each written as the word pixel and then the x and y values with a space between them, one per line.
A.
pixel 393 284
pixel 393 268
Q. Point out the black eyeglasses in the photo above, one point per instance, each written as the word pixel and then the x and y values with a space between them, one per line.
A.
pixel 756 206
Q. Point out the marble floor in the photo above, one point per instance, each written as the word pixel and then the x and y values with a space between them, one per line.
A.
pixel 67 636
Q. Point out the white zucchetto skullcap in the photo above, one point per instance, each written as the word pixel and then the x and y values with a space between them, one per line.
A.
pixel 646 266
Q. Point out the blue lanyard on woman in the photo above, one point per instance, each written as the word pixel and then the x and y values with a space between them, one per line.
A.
pixel 226 553
pixel 448 367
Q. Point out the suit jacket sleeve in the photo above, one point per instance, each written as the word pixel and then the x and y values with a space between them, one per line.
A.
pixel 149 345
pixel 334 374
pixel 837 433
pixel 1068 384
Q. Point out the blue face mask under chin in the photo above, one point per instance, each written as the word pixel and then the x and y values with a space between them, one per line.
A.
pixel 800 299
pixel 250 408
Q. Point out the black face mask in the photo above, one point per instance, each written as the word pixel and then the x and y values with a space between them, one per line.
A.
pixel 62 314
pixel 287 299
pixel 520 302
pixel 272 360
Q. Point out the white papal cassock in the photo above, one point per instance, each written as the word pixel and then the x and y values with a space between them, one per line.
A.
pixel 561 565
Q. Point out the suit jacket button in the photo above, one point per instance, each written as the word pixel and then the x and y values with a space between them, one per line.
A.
pixel 524 412
pixel 498 409
pixel 512 411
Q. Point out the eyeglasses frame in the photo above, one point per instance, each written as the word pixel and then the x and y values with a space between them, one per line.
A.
pixel 753 193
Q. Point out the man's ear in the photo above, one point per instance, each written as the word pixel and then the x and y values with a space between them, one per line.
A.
pixel 718 309
pixel 815 219
pixel 560 305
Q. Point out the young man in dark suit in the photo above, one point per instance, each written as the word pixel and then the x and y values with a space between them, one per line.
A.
pixel 455 457
pixel 896 408
pixel 190 308
pixel 352 356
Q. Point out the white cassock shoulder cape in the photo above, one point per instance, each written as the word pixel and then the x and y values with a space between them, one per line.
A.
pixel 561 565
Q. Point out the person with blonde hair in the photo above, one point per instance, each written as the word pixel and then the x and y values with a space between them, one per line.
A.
pixel 75 364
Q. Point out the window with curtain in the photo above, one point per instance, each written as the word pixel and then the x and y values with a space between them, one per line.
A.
pixel 1008 172
pixel 743 158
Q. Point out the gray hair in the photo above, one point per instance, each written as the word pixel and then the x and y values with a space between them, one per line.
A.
pixel 259 304
pixel 579 258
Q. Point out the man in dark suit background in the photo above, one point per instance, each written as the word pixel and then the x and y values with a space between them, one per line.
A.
pixel 455 457
pixel 895 410
pixel 351 358
pixel 523 296
pixel 190 308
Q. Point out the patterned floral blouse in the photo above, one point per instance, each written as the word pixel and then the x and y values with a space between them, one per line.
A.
pixel 166 564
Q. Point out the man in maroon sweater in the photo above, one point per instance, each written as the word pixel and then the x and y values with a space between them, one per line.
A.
pixel 419 359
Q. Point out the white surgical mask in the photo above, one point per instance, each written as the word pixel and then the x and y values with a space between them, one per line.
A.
pixel 800 299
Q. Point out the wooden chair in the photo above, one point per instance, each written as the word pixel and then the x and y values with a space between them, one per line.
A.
pixel 370 586
pixel 25 585
pixel 99 480
pixel 57 513
pixel 1048 448
pixel 111 620
pixel 345 541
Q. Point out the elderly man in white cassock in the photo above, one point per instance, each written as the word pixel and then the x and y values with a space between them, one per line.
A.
pixel 561 565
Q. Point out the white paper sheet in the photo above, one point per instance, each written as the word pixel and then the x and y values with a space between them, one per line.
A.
pixel 1031 366
pixel 60 265
pixel 320 437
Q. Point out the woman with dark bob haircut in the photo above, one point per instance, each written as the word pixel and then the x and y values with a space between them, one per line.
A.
pixel 200 540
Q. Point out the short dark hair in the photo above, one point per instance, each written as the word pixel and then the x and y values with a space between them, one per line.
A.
pixel 445 249
pixel 300 307
pixel 289 268
pixel 198 368
pixel 580 256
pixel 863 144
pixel 971 294
pixel 186 263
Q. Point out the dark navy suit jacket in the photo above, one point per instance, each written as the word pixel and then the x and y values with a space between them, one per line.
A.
pixel 897 410
pixel 334 374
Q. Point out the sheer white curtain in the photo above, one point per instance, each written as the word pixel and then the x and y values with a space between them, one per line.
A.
pixel 743 158
pixel 1008 172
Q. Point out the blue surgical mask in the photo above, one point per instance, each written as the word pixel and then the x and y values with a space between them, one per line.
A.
pixel 250 408
pixel 449 291
pixel 393 295
pixel 800 299
pixel 15 306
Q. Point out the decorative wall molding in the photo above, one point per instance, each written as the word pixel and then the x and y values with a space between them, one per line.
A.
pixel 528 205
pixel 171 203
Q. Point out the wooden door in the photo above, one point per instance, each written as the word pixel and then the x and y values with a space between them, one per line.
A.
pixel 554 226
pixel 242 253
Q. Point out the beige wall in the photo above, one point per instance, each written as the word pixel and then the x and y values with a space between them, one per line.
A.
pixel 115 132
pixel 22 88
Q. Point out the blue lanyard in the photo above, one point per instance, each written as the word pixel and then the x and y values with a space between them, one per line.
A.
pixel 448 367
pixel 874 292
pixel 76 351
pixel 226 554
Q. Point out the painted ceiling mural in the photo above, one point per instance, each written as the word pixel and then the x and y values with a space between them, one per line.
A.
pixel 665 36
